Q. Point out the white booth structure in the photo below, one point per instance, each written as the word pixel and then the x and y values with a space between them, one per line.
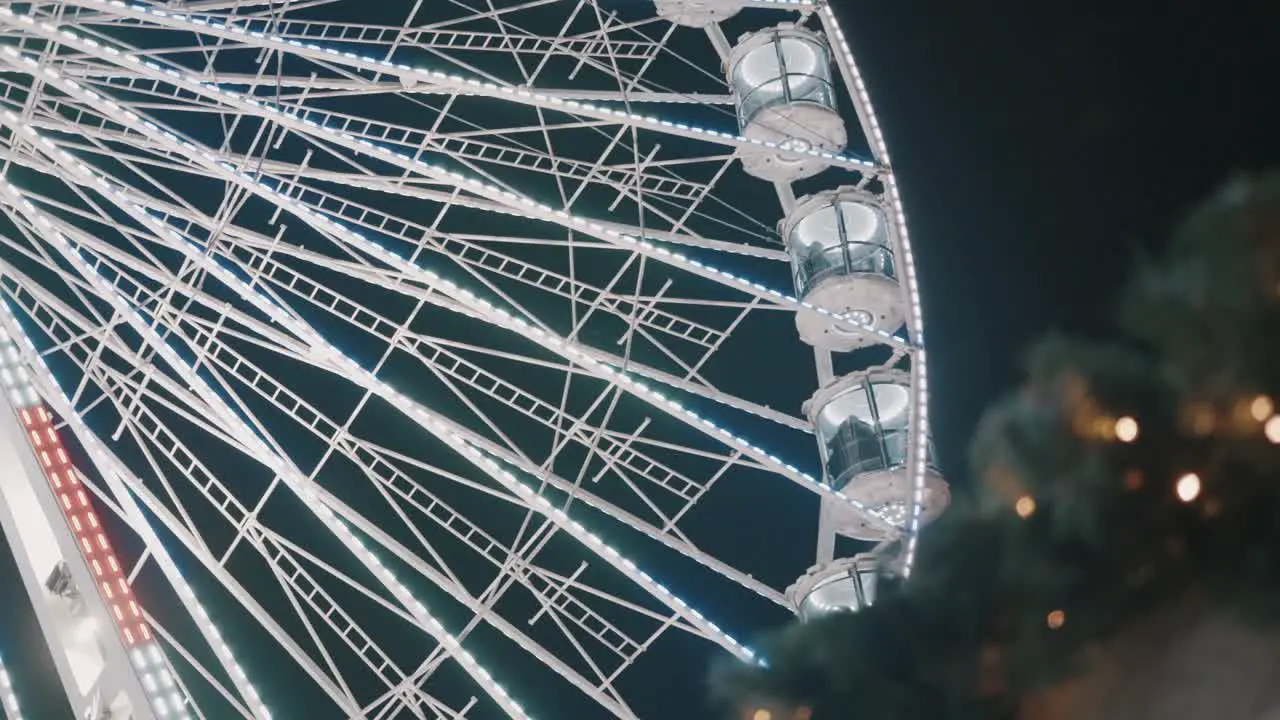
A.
pixel 782 86
pixel 862 425
pixel 841 248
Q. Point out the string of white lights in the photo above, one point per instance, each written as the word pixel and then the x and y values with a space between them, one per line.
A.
pixel 342 364
pixel 462 84
pixel 324 504
pixel 919 417
pixel 528 331
pixel 150 662
pixel 298 120
pixel 495 314
pixel 497 453
pixel 153 666
pixel 290 474
pixel 350 369
pixel 112 469
pixel 9 707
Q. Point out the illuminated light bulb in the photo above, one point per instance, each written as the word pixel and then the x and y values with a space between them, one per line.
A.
pixel 1025 506
pixel 1188 487
pixel 1056 619
pixel 761 714
pixel 1132 480
pixel 1272 429
pixel 1126 429
pixel 1262 408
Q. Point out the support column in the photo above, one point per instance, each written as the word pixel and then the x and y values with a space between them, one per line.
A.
pixel 109 663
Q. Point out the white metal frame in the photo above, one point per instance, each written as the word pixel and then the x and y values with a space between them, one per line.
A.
pixel 175 318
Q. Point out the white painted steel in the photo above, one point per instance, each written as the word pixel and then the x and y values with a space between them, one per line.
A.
pixel 457 297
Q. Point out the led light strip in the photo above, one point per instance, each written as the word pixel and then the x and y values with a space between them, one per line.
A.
pixel 350 368
pixel 79 515
pixel 326 221
pixel 466 85
pixel 276 463
pixel 411 409
pixel 305 126
pixel 538 502
pixel 919 363
pixel 146 657
pixel 158 554
pixel 495 314
pixel 9 708
pixel 382 252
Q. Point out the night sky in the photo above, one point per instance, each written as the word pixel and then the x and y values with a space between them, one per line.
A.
pixel 1039 152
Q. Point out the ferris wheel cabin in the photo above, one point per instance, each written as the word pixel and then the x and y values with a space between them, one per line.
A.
pixel 782 85
pixel 862 424
pixel 697 13
pixel 842 262
pixel 844 585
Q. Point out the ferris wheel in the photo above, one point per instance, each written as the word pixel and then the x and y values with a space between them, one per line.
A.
pixel 445 359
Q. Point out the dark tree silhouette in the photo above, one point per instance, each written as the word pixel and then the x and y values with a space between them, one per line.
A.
pixel 1119 556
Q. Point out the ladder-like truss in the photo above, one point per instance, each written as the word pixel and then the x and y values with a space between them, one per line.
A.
pixel 410 352
pixel 57 536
